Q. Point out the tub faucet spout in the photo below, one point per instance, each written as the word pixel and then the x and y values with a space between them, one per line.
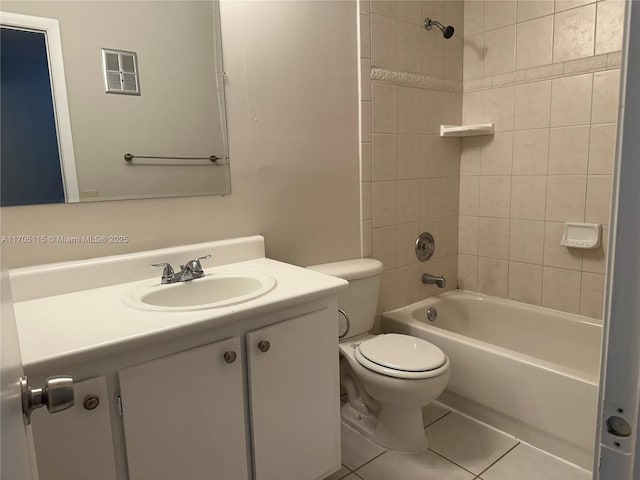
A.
pixel 429 279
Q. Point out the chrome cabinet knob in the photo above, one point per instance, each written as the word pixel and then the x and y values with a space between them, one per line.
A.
pixel 56 395
pixel 230 356
pixel 91 402
pixel 264 346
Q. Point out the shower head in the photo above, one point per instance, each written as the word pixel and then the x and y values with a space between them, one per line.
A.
pixel 447 32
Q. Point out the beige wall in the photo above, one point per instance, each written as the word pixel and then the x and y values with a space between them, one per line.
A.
pixel 176 113
pixel 546 74
pixel 293 113
pixel 411 83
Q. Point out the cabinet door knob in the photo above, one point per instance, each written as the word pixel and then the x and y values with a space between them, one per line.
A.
pixel 230 356
pixel 264 346
pixel 91 402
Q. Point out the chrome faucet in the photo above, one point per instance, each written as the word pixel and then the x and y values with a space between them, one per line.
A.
pixel 189 271
pixel 429 279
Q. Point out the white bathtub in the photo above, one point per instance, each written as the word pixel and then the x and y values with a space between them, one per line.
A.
pixel 527 370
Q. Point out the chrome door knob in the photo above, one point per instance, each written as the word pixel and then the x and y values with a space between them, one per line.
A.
pixel 230 356
pixel 56 395
pixel 264 346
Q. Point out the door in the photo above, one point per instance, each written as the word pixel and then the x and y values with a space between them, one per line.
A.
pixel 294 389
pixel 18 459
pixel 617 449
pixel 184 415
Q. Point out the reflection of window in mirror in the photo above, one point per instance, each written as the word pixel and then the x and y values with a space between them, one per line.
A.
pixel 178 118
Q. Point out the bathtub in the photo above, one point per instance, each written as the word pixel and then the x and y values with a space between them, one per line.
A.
pixel 529 371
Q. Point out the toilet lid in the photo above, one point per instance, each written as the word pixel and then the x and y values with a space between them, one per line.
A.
pixel 402 352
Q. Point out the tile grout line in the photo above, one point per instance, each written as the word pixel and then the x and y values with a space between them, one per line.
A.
pixel 501 457
pixel 451 461
pixel 437 420
pixel 369 461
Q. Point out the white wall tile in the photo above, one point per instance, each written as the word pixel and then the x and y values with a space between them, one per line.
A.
pixel 566 198
pixel 499 50
pixel 473 18
pixel 468 272
pixel 606 86
pixel 432 51
pixel 592 295
pixel 568 150
pixel 384 149
pixel 388 300
pixel 469 194
pixel 499 13
pixel 595 261
pixel 367 238
pixel 528 197
pixel 384 204
pixel 408 201
pixel 497 107
pixel 532 105
pixel 384 108
pixel 365 127
pixel 497 155
pixel 409 110
pixel 410 11
pixel 472 107
pixel 365 79
pixel 602 143
pixel 449 196
pixel 526 241
pixel 493 276
pixel 562 5
pixel 574 33
pixel 408 284
pixel 571 100
pixel 495 196
pixel 493 237
pixel 528 9
pixel 609 26
pixel 365 37
pixel 385 246
pixel 561 289
pixel 471 154
pixel 473 55
pixel 406 235
pixel 598 206
pixel 365 160
pixel 388 8
pixel 410 163
pixel 534 42
pixel 468 235
pixel 365 7
pixel 366 200
pixel 525 283
pixel 384 42
pixel 448 236
pixel 530 152
pixel 409 45
pixel 429 198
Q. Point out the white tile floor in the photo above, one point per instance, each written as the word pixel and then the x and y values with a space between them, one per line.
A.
pixel 460 448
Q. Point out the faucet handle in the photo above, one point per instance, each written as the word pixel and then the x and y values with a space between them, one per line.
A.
pixel 195 264
pixel 167 272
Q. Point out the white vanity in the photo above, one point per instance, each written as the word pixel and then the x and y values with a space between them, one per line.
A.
pixel 241 386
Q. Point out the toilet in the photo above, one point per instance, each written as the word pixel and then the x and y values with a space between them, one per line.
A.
pixel 389 377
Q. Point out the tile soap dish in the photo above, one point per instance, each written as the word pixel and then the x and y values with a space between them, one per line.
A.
pixel 581 235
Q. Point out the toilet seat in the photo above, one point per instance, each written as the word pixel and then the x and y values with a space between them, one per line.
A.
pixel 401 356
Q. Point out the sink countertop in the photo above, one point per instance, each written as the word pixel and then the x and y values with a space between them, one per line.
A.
pixel 82 325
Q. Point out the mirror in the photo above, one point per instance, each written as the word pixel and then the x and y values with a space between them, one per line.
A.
pixel 135 79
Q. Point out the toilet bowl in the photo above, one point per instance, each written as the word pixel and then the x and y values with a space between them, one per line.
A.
pixel 388 378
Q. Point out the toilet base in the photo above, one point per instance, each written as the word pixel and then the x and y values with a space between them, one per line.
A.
pixel 391 428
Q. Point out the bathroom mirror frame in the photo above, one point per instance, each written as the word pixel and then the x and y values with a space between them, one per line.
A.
pixel 178 163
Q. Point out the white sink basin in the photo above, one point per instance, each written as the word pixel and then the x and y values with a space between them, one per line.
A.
pixel 211 291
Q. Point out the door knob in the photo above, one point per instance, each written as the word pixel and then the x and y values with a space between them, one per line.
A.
pixel 56 395
pixel 264 346
pixel 230 356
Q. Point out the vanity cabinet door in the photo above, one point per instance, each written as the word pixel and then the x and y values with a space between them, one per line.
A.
pixel 184 415
pixel 294 386
pixel 77 444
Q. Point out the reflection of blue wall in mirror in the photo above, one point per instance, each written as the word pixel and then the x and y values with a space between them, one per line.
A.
pixel 30 170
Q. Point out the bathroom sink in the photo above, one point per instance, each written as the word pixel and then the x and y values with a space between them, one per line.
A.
pixel 211 291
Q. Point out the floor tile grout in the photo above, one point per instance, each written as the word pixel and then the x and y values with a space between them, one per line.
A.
pixel 501 457
pixel 451 461
pixel 369 461
pixel 437 419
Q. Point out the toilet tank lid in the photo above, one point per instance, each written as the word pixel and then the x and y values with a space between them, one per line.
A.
pixel 350 269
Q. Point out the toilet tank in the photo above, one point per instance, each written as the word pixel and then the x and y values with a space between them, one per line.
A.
pixel 360 301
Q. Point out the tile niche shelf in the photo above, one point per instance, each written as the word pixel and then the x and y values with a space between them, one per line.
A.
pixel 470 130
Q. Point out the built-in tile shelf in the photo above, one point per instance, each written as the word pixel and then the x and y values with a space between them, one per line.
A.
pixel 466 130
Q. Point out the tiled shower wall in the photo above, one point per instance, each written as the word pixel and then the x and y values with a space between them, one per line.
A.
pixel 546 74
pixel 411 83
